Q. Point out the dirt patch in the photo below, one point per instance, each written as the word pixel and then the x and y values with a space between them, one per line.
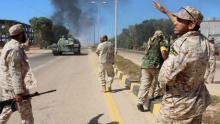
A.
pixel 93 49
pixel 128 68
pixel 218 57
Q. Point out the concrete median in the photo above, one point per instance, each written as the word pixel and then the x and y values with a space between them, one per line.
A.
pixel 134 86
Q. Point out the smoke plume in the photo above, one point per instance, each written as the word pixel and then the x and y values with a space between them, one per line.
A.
pixel 77 15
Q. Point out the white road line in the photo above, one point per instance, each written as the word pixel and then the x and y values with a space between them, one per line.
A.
pixel 46 64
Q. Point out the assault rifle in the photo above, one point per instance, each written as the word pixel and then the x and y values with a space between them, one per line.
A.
pixel 12 102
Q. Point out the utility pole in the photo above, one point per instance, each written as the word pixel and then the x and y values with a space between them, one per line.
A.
pixel 96 26
pixel 116 24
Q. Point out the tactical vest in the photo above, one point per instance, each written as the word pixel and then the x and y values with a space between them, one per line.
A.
pixel 153 57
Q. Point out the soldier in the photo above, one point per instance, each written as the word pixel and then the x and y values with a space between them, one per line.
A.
pixel 155 53
pixel 186 96
pixel 210 70
pixel 16 77
pixel 105 51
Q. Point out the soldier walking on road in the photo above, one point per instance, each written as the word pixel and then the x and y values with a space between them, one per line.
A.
pixel 105 51
pixel 155 53
pixel 186 96
pixel 210 70
pixel 15 76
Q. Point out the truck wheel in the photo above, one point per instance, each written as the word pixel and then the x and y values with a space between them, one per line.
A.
pixel 60 53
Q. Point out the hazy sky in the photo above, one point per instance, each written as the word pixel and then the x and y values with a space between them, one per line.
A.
pixel 130 11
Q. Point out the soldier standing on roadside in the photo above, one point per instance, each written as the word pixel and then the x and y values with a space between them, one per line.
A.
pixel 105 51
pixel 186 96
pixel 210 70
pixel 16 77
pixel 155 53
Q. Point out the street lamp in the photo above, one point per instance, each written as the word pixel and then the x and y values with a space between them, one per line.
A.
pixel 116 24
pixel 94 2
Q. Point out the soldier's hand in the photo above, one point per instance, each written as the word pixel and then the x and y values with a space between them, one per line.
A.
pixel 158 6
pixel 27 45
pixel 18 99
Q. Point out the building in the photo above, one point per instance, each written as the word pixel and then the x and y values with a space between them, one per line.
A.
pixel 211 27
pixel 6 24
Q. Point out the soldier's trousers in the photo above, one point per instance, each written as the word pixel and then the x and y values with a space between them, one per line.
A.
pixel 149 84
pixel 210 72
pixel 106 69
pixel 25 109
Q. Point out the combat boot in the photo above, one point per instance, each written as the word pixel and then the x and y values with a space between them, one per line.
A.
pixel 140 107
pixel 109 89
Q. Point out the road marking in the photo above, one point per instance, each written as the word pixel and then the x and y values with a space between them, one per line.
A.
pixel 114 113
pixel 45 64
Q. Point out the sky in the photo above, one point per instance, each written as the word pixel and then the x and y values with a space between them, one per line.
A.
pixel 130 12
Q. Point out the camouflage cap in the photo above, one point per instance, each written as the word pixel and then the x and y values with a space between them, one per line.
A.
pixel 190 13
pixel 158 33
pixel 16 29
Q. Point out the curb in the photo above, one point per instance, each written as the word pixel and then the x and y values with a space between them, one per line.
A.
pixel 134 86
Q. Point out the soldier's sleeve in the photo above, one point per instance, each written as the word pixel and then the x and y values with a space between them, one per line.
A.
pixel 173 66
pixel 98 50
pixel 148 45
pixel 15 70
pixel 113 53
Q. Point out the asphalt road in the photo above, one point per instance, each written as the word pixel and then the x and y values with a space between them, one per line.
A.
pixel 79 99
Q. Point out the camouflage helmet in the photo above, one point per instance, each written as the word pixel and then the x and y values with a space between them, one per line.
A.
pixel 16 29
pixel 189 13
pixel 158 33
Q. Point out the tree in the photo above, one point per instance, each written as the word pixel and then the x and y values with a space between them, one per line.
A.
pixel 134 36
pixel 42 26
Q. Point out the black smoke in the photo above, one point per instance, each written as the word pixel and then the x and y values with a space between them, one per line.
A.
pixel 79 16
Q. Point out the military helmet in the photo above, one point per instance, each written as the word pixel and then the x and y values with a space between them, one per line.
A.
pixel 189 13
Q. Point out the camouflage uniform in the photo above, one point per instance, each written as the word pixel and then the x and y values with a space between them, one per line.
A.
pixel 186 96
pixel 150 67
pixel 15 78
pixel 210 70
pixel 105 51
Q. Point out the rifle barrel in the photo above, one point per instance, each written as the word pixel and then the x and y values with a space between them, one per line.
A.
pixel 50 91
pixel 38 94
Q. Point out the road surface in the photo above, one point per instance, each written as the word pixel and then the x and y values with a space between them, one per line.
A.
pixel 79 99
